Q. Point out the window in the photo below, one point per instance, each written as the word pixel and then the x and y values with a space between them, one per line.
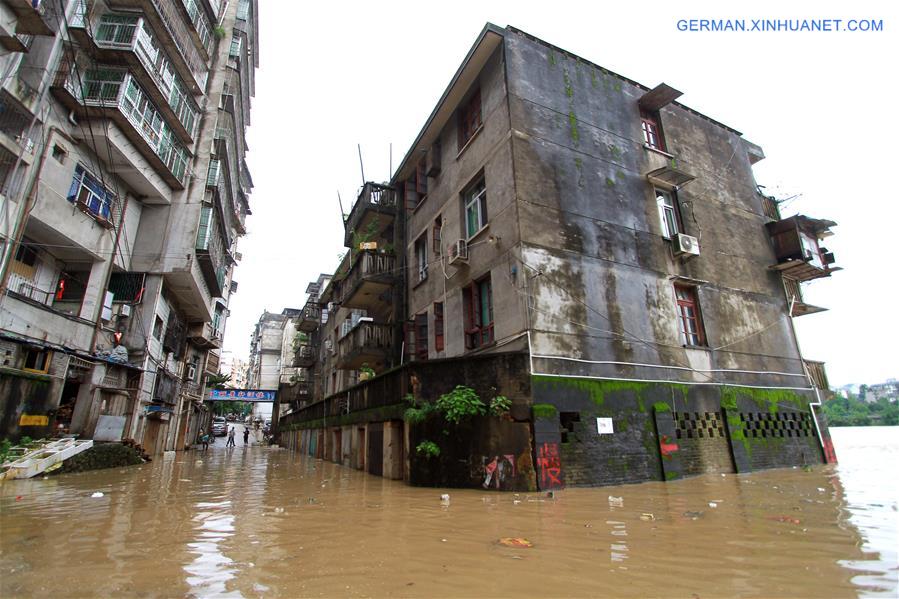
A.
pixel 421 336
pixel 475 209
pixel 116 29
pixel 669 213
pixel 421 257
pixel 158 328
pixel 126 286
pixel 438 225
pixel 37 360
pixel 438 326
pixel 689 317
pixel 87 191
pixel 469 119
pixel 477 300
pixel 59 154
pixel 25 254
pixel 652 129
pixel 417 185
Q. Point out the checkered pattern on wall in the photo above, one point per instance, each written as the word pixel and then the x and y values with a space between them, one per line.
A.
pixel 698 425
pixel 781 424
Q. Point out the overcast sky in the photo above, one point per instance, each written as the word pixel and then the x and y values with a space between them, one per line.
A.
pixel 820 104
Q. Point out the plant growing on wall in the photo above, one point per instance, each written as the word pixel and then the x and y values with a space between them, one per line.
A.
pixel 427 449
pixel 219 32
pixel 366 372
pixel 499 405
pixel 460 404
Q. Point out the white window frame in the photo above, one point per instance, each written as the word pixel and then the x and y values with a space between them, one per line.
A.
pixel 83 191
pixel 665 202
pixel 421 256
pixel 476 199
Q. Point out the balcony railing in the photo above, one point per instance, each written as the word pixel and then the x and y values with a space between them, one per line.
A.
pixel 118 91
pixel 374 201
pixel 304 355
pixel 202 26
pixel 310 318
pixel 14 123
pixel 369 266
pixel 210 248
pixel 366 342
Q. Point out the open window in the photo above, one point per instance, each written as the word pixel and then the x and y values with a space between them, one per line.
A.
pixel 438 326
pixel 421 336
pixel 651 123
pixel 421 257
pixel 689 316
pixel 669 213
pixel 477 300
pixel 475 206
pixel 470 118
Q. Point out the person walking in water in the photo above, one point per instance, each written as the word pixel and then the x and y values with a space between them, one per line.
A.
pixel 204 439
pixel 246 435
pixel 230 442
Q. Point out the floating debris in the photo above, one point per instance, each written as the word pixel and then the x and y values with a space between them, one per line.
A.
pixel 647 517
pixel 515 542
pixel 616 501
pixel 96 494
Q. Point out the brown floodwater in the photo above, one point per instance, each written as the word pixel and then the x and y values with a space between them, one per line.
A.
pixel 266 522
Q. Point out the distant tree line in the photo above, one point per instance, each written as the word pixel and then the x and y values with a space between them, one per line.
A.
pixel 852 411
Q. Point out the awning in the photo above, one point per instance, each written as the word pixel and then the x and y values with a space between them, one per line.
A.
pixel 669 177
pixel 659 96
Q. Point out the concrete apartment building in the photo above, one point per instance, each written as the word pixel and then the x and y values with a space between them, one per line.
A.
pixel 595 251
pixel 122 213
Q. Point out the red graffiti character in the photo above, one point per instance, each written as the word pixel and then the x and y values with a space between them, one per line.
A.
pixel 550 466
pixel 667 447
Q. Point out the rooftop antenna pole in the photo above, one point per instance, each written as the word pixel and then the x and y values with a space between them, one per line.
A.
pixel 342 213
pixel 359 147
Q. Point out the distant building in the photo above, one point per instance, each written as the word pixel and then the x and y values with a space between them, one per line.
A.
pixel 587 247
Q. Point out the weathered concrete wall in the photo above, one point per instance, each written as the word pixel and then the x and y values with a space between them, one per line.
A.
pixel 589 223
pixel 488 155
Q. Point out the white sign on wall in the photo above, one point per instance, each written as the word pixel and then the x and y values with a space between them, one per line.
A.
pixel 604 426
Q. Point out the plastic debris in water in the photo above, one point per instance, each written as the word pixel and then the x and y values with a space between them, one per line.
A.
pixel 647 517
pixel 692 515
pixel 445 499
pixel 616 501
pixel 515 542
pixel 787 519
pixel 713 504
pixel 96 494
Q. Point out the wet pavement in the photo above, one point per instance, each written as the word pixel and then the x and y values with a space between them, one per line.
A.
pixel 266 522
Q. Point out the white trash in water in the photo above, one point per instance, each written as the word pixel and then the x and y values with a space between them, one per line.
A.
pixel 616 501
pixel 97 494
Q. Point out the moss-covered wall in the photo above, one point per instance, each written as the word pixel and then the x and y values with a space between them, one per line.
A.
pixel 652 419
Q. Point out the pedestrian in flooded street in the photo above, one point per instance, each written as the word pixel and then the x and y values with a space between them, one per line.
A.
pixel 204 439
pixel 246 435
pixel 230 442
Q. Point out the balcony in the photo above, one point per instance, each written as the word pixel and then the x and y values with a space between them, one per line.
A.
pixel 213 361
pixel 304 357
pixel 127 40
pixel 372 214
pixel 116 94
pixel 371 276
pixel 202 28
pixel 30 16
pixel 175 37
pixel 204 335
pixel 310 318
pixel 210 249
pixel 367 343
pixel 796 245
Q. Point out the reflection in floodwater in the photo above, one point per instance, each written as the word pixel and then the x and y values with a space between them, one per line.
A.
pixel 248 522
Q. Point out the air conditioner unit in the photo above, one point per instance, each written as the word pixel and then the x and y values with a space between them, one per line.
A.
pixel 124 310
pixel 686 244
pixel 238 256
pixel 191 372
pixel 459 252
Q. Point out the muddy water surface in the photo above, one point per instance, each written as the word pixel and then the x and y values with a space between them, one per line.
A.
pixel 263 522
